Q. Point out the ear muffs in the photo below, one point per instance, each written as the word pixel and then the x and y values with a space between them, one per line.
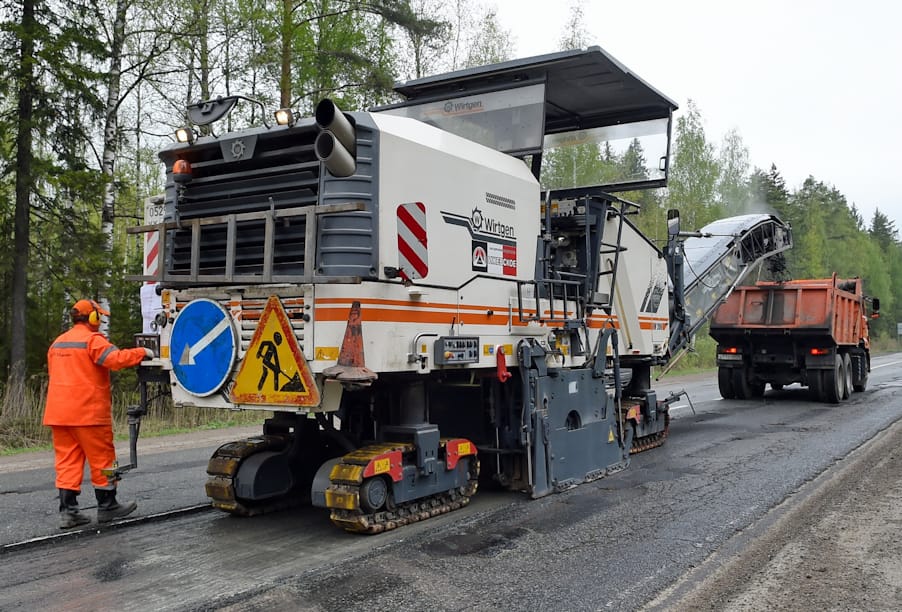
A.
pixel 94 316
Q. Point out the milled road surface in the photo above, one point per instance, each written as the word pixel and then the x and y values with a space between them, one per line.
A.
pixel 718 492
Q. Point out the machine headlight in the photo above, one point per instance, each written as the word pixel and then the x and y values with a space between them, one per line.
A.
pixel 185 134
pixel 284 116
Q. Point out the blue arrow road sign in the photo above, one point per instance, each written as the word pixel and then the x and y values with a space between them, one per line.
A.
pixel 202 347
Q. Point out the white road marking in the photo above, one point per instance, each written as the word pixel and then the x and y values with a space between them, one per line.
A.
pixel 883 365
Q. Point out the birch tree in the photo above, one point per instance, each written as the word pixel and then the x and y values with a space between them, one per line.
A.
pixel 694 171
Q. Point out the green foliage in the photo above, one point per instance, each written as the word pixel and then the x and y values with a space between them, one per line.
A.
pixel 351 50
pixel 883 231
pixel 701 356
pixel 694 173
pixel 578 165
pixel 733 186
pixel 768 193
pixel 343 49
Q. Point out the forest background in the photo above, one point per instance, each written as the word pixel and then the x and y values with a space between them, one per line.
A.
pixel 91 90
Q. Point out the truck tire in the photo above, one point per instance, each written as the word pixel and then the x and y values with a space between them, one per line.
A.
pixel 835 382
pixel 816 385
pixel 725 383
pixel 847 376
pixel 861 364
pixel 741 384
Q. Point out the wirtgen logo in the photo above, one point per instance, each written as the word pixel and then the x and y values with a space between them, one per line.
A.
pixel 493 244
pixel 463 107
pixel 481 226
pixel 486 225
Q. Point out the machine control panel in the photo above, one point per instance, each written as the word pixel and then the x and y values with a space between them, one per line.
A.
pixel 453 350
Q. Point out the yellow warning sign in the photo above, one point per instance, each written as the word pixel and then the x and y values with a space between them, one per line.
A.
pixel 274 370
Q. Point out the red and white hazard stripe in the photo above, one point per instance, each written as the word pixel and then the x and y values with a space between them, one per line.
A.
pixel 151 254
pixel 413 256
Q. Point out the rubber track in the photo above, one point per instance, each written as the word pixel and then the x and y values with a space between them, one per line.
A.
pixel 652 441
pixel 358 521
pixel 223 466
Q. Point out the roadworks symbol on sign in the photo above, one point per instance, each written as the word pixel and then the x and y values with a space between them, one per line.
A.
pixel 274 370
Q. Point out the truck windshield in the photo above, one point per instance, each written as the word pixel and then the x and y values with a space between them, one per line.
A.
pixel 620 155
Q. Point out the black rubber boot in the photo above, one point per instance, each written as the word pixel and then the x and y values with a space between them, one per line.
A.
pixel 70 516
pixel 108 508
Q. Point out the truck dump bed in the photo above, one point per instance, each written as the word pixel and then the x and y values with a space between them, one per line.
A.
pixel 821 307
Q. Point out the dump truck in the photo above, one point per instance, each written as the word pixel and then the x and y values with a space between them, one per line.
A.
pixel 427 295
pixel 813 332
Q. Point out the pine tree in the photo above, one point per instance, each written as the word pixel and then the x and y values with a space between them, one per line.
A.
pixel 883 230
pixel 51 57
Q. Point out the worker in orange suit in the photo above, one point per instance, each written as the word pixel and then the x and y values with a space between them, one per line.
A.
pixel 79 412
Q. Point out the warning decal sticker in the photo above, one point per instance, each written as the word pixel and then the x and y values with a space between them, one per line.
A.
pixel 493 244
pixel 494 258
pixel 274 370
pixel 413 256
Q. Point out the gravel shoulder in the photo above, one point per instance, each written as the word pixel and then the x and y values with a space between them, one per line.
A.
pixel 835 545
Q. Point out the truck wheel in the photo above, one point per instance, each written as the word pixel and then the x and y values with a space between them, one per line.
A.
pixel 725 383
pixel 847 376
pixel 741 384
pixel 835 382
pixel 816 385
pixel 862 383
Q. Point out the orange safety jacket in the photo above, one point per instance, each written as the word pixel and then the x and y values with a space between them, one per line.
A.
pixel 79 362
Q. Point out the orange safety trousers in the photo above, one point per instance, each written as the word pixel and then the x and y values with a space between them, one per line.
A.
pixel 72 445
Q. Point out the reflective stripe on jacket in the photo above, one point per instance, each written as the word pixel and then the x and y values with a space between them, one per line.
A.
pixel 79 363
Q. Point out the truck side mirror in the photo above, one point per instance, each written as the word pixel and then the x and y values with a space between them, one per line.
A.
pixel 875 304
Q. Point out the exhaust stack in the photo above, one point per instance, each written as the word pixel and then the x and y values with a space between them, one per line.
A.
pixel 336 144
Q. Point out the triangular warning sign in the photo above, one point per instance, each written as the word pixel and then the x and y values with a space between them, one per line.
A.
pixel 274 370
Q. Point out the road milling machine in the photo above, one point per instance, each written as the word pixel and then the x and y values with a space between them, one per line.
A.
pixel 426 294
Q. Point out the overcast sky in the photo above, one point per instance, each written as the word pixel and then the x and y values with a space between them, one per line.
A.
pixel 814 87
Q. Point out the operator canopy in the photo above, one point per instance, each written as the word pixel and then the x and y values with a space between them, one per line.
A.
pixel 554 106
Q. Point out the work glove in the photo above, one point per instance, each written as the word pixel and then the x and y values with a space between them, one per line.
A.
pixel 148 354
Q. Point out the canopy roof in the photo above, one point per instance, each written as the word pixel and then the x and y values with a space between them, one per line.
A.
pixel 584 88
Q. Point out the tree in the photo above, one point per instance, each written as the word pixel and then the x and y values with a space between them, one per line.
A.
pixel 26 89
pixel 575 34
pixel 809 254
pixel 694 172
pixel 490 43
pixel 883 230
pixel 733 183
pixel 51 69
pixel 426 49
pixel 334 48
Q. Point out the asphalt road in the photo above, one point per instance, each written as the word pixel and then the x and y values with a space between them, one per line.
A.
pixel 616 543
